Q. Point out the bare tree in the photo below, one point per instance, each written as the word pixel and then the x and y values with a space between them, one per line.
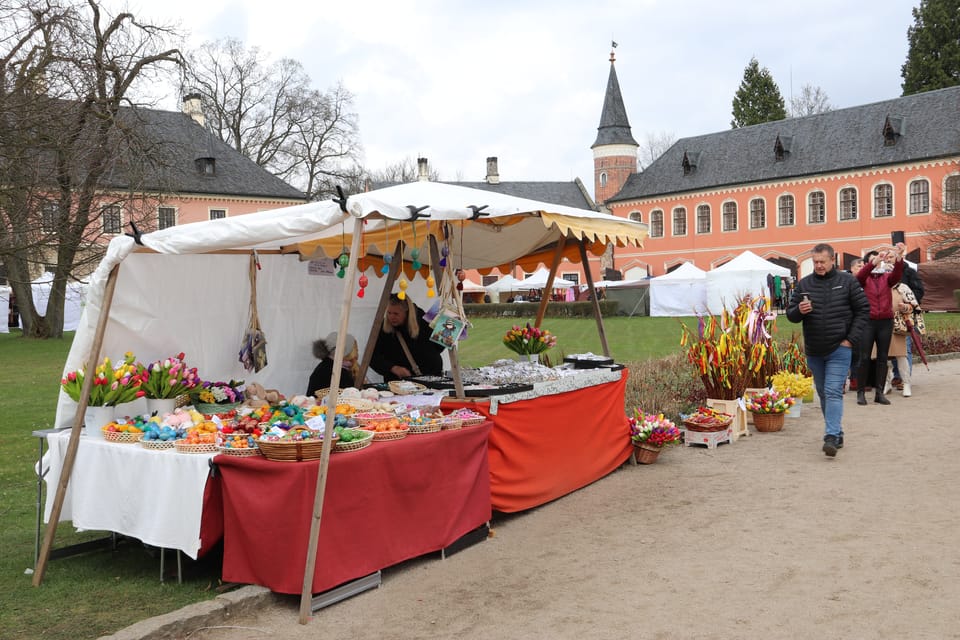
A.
pixel 810 101
pixel 66 74
pixel 268 112
pixel 653 146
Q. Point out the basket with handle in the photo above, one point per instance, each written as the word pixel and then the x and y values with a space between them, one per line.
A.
pixel 293 449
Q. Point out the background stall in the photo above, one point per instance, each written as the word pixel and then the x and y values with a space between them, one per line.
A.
pixel 682 292
pixel 745 274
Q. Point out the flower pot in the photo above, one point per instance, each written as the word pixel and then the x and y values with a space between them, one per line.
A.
pixel 529 357
pixel 768 422
pixel 646 453
pixel 161 406
pixel 97 417
pixel 796 409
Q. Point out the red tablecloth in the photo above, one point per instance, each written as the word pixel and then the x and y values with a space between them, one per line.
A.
pixel 544 448
pixel 390 502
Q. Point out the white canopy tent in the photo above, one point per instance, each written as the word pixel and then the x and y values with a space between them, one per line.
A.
pixel 538 280
pixel 745 274
pixel 187 288
pixel 505 284
pixel 682 292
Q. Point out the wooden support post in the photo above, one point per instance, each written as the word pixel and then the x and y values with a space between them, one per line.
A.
pixel 74 444
pixel 557 256
pixel 306 595
pixel 454 357
pixel 381 309
pixel 593 295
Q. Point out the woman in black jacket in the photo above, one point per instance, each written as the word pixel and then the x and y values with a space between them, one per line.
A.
pixel 404 347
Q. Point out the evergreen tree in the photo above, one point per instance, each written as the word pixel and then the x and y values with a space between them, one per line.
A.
pixel 758 99
pixel 933 57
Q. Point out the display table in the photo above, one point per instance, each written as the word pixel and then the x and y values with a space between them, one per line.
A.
pixel 157 497
pixel 545 447
pixel 384 504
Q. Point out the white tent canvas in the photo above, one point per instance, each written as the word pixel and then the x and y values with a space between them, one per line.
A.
pixel 505 284
pixel 745 274
pixel 469 286
pixel 179 294
pixel 73 302
pixel 538 280
pixel 682 292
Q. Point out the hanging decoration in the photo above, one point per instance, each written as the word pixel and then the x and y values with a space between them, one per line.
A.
pixel 403 284
pixel 431 283
pixel 362 281
pixel 415 251
pixel 344 258
pixel 387 257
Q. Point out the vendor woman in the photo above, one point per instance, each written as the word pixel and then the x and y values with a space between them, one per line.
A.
pixel 323 373
pixel 404 347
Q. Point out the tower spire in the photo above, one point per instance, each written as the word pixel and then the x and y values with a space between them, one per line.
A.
pixel 615 150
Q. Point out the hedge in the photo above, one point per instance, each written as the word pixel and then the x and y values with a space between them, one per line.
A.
pixel 608 308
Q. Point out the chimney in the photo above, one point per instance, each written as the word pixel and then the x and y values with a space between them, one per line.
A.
pixel 193 107
pixel 493 177
pixel 423 170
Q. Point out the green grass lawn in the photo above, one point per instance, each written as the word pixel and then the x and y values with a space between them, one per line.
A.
pixel 98 593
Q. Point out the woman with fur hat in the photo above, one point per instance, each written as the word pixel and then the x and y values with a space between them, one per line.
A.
pixel 323 373
pixel 404 347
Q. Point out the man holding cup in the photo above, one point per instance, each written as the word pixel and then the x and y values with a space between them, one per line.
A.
pixel 834 310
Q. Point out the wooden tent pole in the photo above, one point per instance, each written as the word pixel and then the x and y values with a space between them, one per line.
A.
pixel 557 256
pixel 454 357
pixel 381 309
pixel 74 444
pixel 306 596
pixel 593 295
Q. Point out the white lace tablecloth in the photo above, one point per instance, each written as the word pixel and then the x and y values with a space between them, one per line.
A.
pixel 154 496
pixel 583 378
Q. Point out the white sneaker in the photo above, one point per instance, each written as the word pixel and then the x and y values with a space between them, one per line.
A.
pixel 888 387
pixel 907 392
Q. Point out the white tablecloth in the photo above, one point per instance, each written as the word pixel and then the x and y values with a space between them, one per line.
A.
pixel 154 496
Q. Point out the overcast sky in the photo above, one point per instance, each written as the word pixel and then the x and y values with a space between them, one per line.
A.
pixel 524 80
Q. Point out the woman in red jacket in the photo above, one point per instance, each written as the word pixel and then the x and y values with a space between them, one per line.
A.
pixel 880 272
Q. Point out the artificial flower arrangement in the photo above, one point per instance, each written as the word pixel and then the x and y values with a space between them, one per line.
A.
pixel 112 384
pixel 654 430
pixel 529 340
pixel 795 385
pixel 731 349
pixel 218 392
pixel 169 378
pixel 769 401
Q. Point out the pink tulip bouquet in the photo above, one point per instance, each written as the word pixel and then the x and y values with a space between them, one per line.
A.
pixel 169 378
pixel 112 384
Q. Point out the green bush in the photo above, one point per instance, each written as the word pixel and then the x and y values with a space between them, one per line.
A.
pixel 664 385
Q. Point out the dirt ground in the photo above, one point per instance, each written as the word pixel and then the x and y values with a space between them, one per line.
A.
pixel 763 538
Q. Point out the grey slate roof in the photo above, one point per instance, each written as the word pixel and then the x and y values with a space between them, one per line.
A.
pixel 614 126
pixel 840 140
pixel 181 141
pixel 568 194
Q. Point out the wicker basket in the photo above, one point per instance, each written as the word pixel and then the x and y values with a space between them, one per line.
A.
pixel 397 434
pixel 371 419
pixel 472 422
pixel 293 450
pixel 123 437
pixel 354 445
pixel 450 423
pixel 244 452
pixel 430 426
pixel 405 387
pixel 182 446
pixel 694 426
pixel 157 445
pixel 214 409
pixel 768 422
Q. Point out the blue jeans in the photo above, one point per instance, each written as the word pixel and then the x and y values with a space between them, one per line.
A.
pixel 829 374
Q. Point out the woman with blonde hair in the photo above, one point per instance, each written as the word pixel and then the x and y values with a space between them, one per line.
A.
pixel 404 347
pixel 904 304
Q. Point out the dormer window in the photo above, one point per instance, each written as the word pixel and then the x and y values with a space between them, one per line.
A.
pixel 892 130
pixel 206 166
pixel 781 148
pixel 690 161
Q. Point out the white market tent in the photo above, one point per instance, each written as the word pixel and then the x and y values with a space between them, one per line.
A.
pixel 503 285
pixel 5 293
pixel 538 280
pixel 187 289
pixel 73 299
pixel 682 292
pixel 745 274
pixel 469 286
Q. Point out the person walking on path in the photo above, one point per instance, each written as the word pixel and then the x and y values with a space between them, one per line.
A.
pixel 904 305
pixel 855 265
pixel 879 274
pixel 834 311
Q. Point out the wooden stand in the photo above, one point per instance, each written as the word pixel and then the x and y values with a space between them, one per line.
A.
pixel 732 407
pixel 709 438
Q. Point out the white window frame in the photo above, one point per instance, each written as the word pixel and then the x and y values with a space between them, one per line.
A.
pixel 678 218
pixel 708 228
pixel 111 208
pixel 758 210
pixel 914 198
pixel 822 203
pixel 792 212
pixel 877 213
pixel 848 208
pixel 656 223
pixel 723 217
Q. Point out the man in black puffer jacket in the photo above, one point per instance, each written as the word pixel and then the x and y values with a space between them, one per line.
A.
pixel 834 311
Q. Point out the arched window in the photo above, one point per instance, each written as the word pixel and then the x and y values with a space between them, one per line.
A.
pixel 951 193
pixel 919 196
pixel 636 216
pixel 656 223
pixel 603 178
pixel 786 213
pixel 729 216
pixel 758 214
pixel 848 203
pixel 816 207
pixel 680 221
pixel 883 201
pixel 703 218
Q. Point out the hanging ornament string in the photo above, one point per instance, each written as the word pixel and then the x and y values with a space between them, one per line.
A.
pixel 415 252
pixel 344 258
pixel 403 284
pixel 431 283
pixel 362 281
pixel 386 250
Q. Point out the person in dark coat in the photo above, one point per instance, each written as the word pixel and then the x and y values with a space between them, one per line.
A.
pixel 323 373
pixel 403 324
pixel 834 310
